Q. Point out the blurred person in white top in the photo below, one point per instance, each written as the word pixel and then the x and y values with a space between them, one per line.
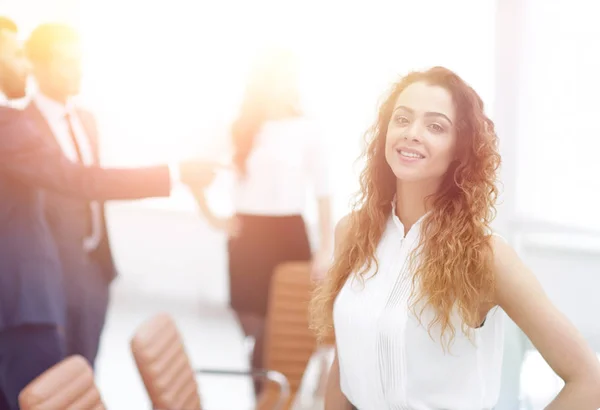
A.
pixel 278 155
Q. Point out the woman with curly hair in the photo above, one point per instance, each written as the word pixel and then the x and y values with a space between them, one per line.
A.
pixel 418 277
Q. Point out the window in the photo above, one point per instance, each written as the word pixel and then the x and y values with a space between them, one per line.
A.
pixel 558 128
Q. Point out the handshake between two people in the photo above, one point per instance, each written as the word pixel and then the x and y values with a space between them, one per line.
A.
pixel 198 174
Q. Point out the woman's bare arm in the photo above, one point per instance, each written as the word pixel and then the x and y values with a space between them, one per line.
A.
pixel 213 220
pixel 521 296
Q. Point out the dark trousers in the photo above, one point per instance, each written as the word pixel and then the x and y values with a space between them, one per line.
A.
pixel 87 303
pixel 263 243
pixel 25 353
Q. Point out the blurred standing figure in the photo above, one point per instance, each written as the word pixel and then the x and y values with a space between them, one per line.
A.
pixel 77 224
pixel 32 294
pixel 277 154
pixel 32 291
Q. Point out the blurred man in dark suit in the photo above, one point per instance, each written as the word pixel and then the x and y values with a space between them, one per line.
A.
pixel 77 225
pixel 32 289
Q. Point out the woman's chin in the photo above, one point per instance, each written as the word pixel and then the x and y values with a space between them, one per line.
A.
pixel 407 175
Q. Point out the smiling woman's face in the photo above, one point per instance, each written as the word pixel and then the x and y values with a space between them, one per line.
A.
pixel 421 138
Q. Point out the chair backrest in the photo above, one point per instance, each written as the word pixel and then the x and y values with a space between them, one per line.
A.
pixel 289 343
pixel 311 393
pixel 164 365
pixel 68 385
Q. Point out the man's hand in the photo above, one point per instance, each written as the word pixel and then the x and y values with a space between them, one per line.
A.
pixel 197 174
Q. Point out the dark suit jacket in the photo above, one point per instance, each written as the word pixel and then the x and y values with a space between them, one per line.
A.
pixel 31 288
pixel 69 218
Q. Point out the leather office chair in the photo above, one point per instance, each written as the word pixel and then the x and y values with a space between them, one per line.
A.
pixel 68 385
pixel 289 343
pixel 167 372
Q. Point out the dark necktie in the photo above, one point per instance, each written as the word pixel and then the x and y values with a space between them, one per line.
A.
pixel 89 212
pixel 73 137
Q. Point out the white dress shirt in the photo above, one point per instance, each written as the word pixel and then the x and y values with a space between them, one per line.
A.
pixel 387 358
pixel 288 159
pixel 56 115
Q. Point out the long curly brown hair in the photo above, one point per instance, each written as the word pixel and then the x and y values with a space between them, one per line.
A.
pixel 452 263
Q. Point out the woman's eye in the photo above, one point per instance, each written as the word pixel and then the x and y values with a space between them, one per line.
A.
pixel 401 120
pixel 436 128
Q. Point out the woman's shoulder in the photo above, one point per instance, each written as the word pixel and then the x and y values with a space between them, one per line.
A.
pixel 342 226
pixel 498 243
pixel 502 249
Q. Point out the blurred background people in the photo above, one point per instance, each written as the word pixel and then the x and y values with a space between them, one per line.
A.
pixel 15 67
pixel 278 156
pixel 33 300
pixel 78 225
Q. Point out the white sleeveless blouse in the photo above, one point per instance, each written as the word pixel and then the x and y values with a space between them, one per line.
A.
pixel 387 358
